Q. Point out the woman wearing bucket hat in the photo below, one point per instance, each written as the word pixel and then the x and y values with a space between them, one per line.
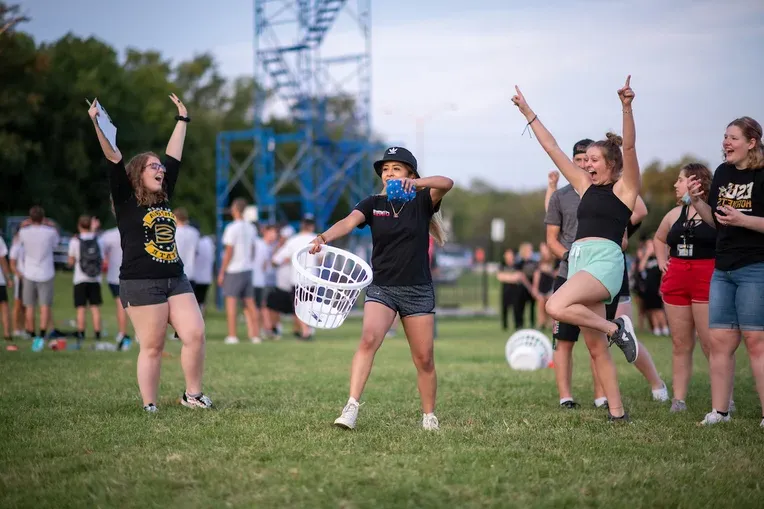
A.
pixel 608 194
pixel 402 282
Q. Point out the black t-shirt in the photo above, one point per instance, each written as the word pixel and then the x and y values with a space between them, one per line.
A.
pixel 743 190
pixel 399 255
pixel 691 239
pixel 147 234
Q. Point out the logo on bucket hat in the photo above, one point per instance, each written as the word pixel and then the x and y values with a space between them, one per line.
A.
pixel 398 155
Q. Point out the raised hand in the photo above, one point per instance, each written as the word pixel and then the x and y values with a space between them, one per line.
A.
pixel 181 107
pixel 626 94
pixel 93 110
pixel 553 178
pixel 519 100
pixel 694 189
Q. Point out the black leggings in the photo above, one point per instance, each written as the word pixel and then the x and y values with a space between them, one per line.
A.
pixel 516 296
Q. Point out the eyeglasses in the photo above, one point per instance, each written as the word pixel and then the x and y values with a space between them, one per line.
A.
pixel 156 166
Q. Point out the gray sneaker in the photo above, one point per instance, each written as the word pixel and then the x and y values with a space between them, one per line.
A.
pixel 625 338
pixel 678 405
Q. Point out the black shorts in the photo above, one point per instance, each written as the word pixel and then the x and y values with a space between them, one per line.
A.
pixel 114 289
pixel 3 293
pixel 87 294
pixel 200 292
pixel 568 332
pixel 412 300
pixel 281 301
pixel 147 292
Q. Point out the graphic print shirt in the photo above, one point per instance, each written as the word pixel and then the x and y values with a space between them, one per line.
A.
pixel 147 234
pixel 743 190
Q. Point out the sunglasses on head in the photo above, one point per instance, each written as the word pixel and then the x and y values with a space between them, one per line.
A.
pixel 156 166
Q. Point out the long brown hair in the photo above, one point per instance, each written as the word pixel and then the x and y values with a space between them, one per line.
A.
pixel 437 230
pixel 135 168
pixel 751 131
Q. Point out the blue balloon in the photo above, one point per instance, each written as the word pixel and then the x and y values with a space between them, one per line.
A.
pixel 396 193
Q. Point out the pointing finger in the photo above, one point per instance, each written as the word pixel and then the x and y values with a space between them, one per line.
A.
pixel 628 81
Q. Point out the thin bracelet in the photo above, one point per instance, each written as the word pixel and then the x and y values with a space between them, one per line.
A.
pixel 321 236
pixel 628 111
pixel 528 125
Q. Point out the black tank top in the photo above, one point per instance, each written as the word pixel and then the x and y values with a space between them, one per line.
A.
pixel 691 240
pixel 602 214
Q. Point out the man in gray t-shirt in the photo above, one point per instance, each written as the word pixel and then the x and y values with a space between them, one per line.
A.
pixel 561 224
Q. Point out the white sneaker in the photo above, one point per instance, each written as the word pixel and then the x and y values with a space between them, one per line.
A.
pixel 661 394
pixel 430 422
pixel 231 340
pixel 348 417
pixel 714 417
pixel 256 340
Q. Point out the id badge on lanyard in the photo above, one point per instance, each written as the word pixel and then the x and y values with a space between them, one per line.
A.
pixel 684 249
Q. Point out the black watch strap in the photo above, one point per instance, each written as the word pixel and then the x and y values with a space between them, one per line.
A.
pixel 184 119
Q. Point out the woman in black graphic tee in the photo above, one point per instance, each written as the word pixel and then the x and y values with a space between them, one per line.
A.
pixel 152 287
pixel 736 302
pixel 402 283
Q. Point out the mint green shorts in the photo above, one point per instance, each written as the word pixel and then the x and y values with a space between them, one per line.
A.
pixel 602 259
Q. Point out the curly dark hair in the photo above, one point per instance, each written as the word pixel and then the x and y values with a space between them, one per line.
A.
pixel 135 168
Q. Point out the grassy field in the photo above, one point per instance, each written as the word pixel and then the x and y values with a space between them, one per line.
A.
pixel 74 434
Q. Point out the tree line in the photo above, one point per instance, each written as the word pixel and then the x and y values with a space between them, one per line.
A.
pixel 49 154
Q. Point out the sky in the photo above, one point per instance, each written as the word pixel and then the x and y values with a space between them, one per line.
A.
pixel 695 66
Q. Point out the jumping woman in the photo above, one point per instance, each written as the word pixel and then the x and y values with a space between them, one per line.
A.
pixel 608 196
pixel 152 287
pixel 736 208
pixel 402 283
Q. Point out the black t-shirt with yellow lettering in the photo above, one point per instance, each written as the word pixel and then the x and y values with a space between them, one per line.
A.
pixel 743 190
pixel 147 234
pixel 399 254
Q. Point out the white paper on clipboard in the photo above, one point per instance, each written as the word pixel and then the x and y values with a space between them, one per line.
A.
pixel 104 123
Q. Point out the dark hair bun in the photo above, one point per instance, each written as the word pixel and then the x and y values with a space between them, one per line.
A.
pixel 614 138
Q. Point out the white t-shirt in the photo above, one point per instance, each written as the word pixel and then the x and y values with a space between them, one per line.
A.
pixel 39 241
pixel 205 261
pixel 286 274
pixel 74 252
pixel 17 254
pixel 241 235
pixel 261 263
pixel 3 254
pixel 112 251
pixel 186 239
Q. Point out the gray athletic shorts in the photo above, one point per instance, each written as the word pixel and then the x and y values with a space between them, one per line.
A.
pixel 412 300
pixel 147 292
pixel 34 293
pixel 238 285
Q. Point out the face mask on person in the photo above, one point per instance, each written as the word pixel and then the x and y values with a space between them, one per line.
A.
pixel 686 199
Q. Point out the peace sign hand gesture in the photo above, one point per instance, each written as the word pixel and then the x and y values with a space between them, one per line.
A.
pixel 626 94
pixel 181 107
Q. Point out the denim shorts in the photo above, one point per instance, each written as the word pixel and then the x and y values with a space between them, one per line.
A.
pixel 415 300
pixel 603 259
pixel 736 300
pixel 147 292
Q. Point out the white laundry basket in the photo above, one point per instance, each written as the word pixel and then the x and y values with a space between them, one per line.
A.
pixel 528 350
pixel 328 284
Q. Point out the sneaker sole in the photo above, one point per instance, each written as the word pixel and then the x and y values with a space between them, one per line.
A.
pixel 630 329
pixel 191 405
pixel 343 424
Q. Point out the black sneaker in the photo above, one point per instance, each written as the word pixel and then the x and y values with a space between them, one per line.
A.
pixel 624 419
pixel 201 401
pixel 625 338
pixel 569 405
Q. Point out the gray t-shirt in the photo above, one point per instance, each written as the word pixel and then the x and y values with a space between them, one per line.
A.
pixel 563 206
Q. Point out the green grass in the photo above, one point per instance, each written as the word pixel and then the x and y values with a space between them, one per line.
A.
pixel 74 434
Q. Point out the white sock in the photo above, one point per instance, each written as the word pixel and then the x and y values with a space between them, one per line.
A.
pixel 656 332
pixel 431 414
pixel 352 401
pixel 666 331
pixel 599 402
pixel 563 400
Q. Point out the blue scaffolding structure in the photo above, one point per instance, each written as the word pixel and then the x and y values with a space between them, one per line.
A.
pixel 300 73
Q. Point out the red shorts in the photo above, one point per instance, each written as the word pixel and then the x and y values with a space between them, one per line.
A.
pixel 687 281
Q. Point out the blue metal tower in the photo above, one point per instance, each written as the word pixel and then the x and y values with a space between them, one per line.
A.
pixel 312 66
